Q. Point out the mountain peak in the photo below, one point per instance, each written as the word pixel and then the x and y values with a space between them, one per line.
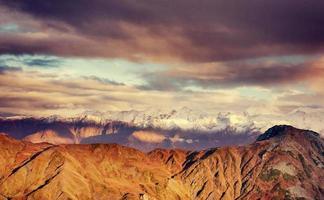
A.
pixel 267 171
pixel 281 130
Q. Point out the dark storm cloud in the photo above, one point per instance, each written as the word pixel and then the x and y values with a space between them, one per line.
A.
pixel 28 102
pixel 102 80
pixel 211 30
pixel 6 69
pixel 30 61
pixel 42 62
pixel 7 114
pixel 277 73
pixel 233 74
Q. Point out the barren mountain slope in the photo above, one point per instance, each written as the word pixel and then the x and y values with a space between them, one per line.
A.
pixel 285 163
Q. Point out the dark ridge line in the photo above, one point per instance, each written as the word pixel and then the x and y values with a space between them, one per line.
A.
pixel 25 162
pixel 43 185
pixel 201 189
pixel 6 197
pixel 29 160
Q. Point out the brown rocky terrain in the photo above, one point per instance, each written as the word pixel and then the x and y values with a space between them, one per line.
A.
pixel 284 163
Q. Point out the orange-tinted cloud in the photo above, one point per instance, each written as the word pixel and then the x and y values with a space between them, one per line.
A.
pixel 149 136
pixel 220 88
pixel 38 93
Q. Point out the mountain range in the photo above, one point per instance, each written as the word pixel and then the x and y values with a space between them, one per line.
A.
pixel 183 128
pixel 282 163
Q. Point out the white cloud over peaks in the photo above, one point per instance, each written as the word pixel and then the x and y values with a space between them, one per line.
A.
pixel 149 136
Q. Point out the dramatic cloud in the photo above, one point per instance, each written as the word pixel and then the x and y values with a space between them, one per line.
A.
pixel 187 30
pixel 67 57
pixel 48 93
pixel 5 69
pixel 268 73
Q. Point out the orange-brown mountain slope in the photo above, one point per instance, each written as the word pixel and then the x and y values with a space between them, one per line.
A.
pixel 284 163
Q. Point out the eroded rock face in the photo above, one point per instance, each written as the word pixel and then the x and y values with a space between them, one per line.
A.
pixel 287 165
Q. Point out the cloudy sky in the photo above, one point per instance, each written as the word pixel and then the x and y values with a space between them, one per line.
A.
pixel 66 57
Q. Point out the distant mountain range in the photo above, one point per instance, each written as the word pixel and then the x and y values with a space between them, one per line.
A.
pixel 146 138
pixel 283 163
pixel 153 128
pixel 189 119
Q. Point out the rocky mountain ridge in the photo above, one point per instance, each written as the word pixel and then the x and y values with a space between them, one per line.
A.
pixel 284 163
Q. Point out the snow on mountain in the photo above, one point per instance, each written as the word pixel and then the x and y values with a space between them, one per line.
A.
pixel 189 119
pixel 184 119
